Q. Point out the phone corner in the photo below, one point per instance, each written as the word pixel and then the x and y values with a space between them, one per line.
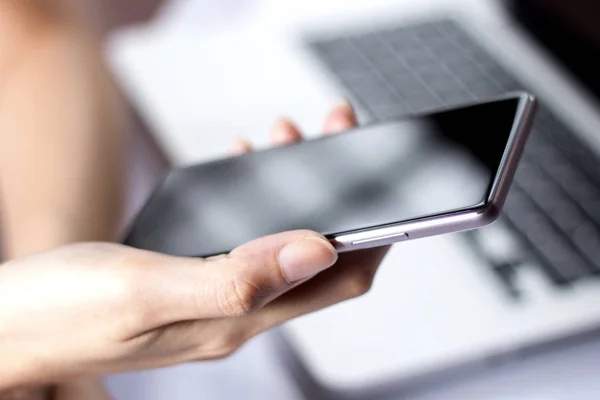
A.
pixel 489 213
pixel 528 97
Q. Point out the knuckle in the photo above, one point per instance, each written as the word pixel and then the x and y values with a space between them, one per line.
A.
pixel 225 348
pixel 219 354
pixel 239 297
pixel 222 345
pixel 359 283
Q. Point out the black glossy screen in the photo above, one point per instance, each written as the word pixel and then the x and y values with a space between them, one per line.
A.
pixel 366 177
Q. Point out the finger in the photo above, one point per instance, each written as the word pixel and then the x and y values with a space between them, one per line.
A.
pixel 341 118
pixel 215 338
pixel 284 132
pixel 351 277
pixel 238 283
pixel 240 146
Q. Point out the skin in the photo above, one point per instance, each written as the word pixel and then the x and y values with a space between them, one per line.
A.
pixel 100 308
pixel 90 307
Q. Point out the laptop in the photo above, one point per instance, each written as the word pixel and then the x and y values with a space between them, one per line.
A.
pixel 441 305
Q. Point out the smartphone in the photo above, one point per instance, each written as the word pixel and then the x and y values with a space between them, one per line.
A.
pixel 373 185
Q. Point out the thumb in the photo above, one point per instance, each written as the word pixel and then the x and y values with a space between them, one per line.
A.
pixel 252 275
pixel 259 271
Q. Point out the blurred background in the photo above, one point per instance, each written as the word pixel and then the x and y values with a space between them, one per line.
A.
pixel 510 311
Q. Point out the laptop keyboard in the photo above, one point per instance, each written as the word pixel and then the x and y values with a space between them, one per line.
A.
pixel 554 205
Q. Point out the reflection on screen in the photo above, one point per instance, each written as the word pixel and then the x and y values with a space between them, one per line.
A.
pixel 363 178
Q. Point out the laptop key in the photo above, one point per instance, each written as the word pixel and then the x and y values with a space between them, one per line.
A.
pixel 587 237
pixel 427 31
pixel 578 186
pixel 400 40
pixel 389 111
pixel 453 97
pixel 561 263
pixel 483 89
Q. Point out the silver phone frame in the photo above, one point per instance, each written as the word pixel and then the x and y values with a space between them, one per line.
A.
pixel 450 222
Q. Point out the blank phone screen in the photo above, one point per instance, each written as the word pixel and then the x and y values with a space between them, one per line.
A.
pixel 370 176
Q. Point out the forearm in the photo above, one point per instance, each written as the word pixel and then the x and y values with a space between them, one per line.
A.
pixel 61 142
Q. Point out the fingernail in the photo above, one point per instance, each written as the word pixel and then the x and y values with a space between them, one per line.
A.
pixel 305 258
pixel 346 103
pixel 241 146
pixel 281 129
pixel 282 120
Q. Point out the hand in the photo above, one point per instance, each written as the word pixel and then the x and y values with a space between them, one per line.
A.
pixel 96 308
